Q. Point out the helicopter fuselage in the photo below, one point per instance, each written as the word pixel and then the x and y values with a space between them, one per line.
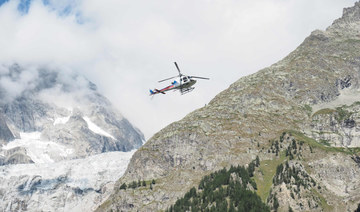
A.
pixel 186 82
pixel 184 86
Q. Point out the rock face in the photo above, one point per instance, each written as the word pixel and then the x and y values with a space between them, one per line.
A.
pixel 62 144
pixel 5 133
pixel 309 96
pixel 66 110
pixel 15 155
pixel 337 127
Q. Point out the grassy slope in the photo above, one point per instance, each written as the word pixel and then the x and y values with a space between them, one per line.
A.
pixel 264 175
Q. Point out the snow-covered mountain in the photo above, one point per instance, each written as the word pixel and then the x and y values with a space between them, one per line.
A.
pixel 62 144
pixel 69 185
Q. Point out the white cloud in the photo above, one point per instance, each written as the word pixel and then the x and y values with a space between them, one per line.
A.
pixel 13 83
pixel 125 47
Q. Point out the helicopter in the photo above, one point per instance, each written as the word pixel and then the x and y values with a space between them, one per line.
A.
pixel 184 85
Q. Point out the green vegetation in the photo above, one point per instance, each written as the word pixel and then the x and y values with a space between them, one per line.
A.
pixel 358 208
pixel 308 109
pixel 314 144
pixel 342 114
pixel 325 142
pixel 137 184
pixel 224 190
pixel 266 173
pixel 276 203
pixel 323 202
pixel 324 111
pixel 123 186
pixel 257 161
pixel 352 41
pixel 355 104
pixel 290 209
pixel 284 173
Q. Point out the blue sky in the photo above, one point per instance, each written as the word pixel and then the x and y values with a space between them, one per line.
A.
pixel 3 1
pixel 23 6
pixel 125 47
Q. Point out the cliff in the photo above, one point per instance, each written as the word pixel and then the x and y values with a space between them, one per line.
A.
pixel 310 98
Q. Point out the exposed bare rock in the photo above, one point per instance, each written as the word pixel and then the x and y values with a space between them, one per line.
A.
pixel 62 144
pixel 15 155
pixel 337 127
pixel 65 110
pixel 239 123
pixel 5 133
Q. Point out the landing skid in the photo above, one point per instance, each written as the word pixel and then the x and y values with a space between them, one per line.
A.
pixel 186 90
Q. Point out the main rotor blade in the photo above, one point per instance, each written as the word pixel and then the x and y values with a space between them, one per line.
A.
pixel 178 68
pixel 199 77
pixel 167 79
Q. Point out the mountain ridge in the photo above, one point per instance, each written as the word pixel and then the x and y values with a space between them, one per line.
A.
pixel 46 96
pixel 62 143
pixel 239 123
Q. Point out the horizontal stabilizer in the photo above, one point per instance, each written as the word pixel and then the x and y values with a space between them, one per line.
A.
pixel 160 91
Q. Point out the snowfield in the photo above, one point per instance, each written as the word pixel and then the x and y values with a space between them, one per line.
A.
pixel 62 120
pixel 38 150
pixel 96 129
pixel 72 185
pixel 58 157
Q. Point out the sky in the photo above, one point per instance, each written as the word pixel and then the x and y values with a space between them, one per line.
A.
pixel 125 47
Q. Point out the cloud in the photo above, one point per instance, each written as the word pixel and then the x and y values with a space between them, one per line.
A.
pixel 14 80
pixel 125 47
pixel 52 85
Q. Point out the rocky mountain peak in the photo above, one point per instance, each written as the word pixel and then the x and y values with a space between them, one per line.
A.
pixel 310 98
pixel 65 108
pixel 350 14
pixel 348 23
pixel 62 143
pixel 5 133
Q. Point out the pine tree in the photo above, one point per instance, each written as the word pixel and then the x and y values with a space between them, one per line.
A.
pixel 232 208
pixel 251 169
pixel 257 163
pixel 290 209
pixel 276 203
pixel 218 189
pixel 153 181
pixel 358 208
pixel 123 186
pixel 133 185
pixel 151 188
pixel 144 183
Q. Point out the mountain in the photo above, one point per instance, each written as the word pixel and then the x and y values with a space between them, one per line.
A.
pixel 5 133
pixel 300 116
pixel 63 144
pixel 67 111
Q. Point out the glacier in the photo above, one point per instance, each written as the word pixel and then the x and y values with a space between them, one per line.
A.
pixel 62 144
pixel 68 185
